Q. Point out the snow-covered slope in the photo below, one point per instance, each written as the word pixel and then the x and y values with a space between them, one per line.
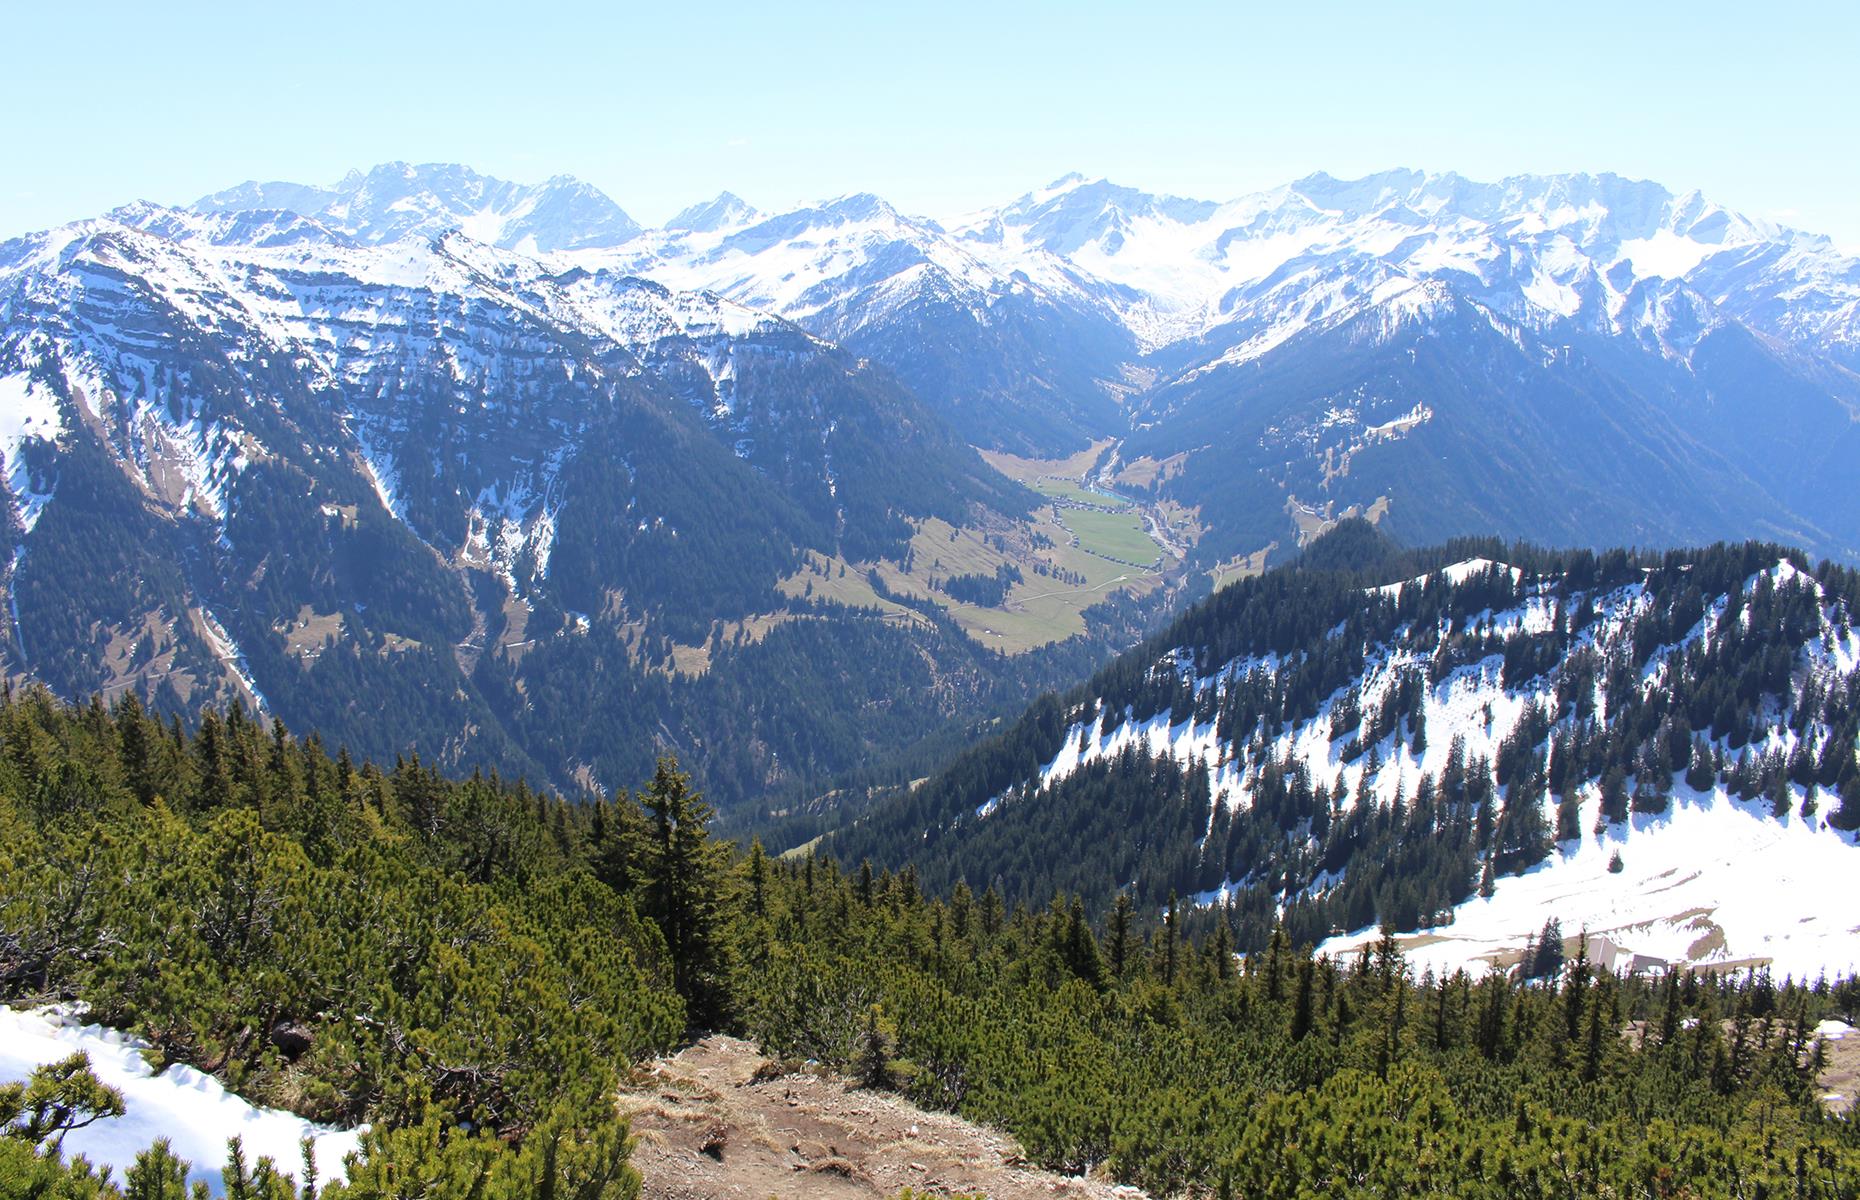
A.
pixel 1048 302
pixel 816 260
pixel 1537 248
pixel 1714 882
pixel 1664 754
pixel 261 438
pixel 1013 346
pixel 1082 282
pixel 191 1109
pixel 356 320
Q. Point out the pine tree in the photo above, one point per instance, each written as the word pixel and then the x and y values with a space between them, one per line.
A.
pixel 1081 948
pixel 758 872
pixel 56 1099
pixel 619 844
pixel 1221 949
pixel 1701 774
pixel 1780 799
pixel 1302 1008
pixel 1170 935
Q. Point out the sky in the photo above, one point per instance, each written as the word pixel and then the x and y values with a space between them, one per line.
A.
pixel 940 108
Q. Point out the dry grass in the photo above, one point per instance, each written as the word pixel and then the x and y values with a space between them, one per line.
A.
pixel 305 634
pixel 1241 566
pixel 1026 470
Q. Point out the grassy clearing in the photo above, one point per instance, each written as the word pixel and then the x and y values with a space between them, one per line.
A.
pixel 836 580
pixel 1182 523
pixel 1114 535
pixel 1040 608
pixel 1313 522
pixel 1241 566
pixel 304 636
pixel 1065 489
pixel 1142 472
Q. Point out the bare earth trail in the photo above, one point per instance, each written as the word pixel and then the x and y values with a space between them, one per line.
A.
pixel 720 1120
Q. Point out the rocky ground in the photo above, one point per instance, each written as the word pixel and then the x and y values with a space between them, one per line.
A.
pixel 720 1120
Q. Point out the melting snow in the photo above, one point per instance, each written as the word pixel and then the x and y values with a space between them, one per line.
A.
pixel 188 1107
pixel 1712 880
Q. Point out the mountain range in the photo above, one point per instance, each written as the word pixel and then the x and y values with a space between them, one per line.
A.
pixel 502 454
pixel 1663 328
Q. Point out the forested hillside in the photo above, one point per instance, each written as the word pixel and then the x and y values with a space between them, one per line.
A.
pixel 1375 736
pixel 470 966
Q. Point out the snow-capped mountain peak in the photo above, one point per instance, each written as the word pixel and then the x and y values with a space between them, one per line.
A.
pixel 726 211
pixel 397 200
pixel 1538 249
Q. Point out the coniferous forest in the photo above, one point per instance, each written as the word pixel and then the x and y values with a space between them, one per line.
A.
pixel 473 968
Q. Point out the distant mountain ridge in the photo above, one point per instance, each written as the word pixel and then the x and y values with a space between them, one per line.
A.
pixel 1170 268
pixel 1042 304
pixel 396 200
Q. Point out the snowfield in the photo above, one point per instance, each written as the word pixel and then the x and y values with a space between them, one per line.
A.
pixel 188 1107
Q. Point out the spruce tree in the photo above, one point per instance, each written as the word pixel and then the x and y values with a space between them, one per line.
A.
pixel 687 884
pixel 1118 935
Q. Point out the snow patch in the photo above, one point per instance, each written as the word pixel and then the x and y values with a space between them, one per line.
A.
pixel 191 1109
pixel 231 657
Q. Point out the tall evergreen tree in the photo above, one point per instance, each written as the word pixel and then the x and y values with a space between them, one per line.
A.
pixel 687 884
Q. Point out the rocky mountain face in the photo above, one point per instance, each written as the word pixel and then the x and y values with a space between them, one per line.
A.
pixel 1656 338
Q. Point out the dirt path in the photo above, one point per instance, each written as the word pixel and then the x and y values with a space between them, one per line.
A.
pixel 719 1120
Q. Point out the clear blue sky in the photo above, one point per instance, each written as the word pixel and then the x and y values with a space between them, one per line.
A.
pixel 939 107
